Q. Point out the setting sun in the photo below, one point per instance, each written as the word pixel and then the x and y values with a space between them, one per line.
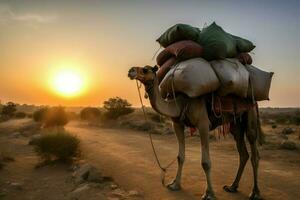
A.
pixel 68 83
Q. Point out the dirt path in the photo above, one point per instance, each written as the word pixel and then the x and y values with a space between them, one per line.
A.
pixel 21 180
pixel 127 156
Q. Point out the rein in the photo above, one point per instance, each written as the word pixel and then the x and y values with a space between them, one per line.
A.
pixel 163 169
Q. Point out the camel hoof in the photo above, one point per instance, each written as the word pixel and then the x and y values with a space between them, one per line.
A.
pixel 174 186
pixel 208 196
pixel 255 196
pixel 230 189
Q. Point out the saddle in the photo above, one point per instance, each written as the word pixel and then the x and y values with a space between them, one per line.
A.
pixel 230 104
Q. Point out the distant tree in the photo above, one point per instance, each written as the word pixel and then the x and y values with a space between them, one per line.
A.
pixel 40 114
pixel 116 107
pixel 90 113
pixel 9 109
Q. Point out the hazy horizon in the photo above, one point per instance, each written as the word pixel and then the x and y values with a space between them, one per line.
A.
pixel 101 40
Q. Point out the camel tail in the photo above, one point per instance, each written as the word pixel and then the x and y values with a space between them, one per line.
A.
pixel 260 133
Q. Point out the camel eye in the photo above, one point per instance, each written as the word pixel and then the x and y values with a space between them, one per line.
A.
pixel 145 70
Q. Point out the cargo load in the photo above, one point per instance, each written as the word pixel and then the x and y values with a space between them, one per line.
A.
pixel 217 43
pixel 193 77
pixel 181 50
pixel 233 76
pixel 260 83
pixel 243 45
pixel 163 70
pixel 245 58
pixel 198 62
pixel 177 33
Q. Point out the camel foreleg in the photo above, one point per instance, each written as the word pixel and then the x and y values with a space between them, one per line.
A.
pixel 179 131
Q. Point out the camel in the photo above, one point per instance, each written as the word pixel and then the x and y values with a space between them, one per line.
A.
pixel 196 113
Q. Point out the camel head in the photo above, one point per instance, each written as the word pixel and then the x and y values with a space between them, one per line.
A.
pixel 143 74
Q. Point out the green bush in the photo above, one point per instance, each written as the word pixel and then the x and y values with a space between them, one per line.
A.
pixel 90 114
pixel 58 145
pixel 20 115
pixel 116 107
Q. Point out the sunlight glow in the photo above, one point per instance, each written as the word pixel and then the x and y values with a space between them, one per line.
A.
pixel 68 83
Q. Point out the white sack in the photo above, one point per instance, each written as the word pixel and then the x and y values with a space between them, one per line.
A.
pixel 233 76
pixel 261 82
pixel 194 77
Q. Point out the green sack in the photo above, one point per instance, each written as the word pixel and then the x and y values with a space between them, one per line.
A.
pixel 217 43
pixel 177 33
pixel 243 45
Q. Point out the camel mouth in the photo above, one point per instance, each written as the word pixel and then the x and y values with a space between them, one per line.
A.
pixel 132 74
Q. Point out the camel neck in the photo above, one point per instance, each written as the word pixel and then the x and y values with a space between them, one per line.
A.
pixel 166 108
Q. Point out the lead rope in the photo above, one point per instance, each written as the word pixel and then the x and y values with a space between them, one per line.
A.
pixel 163 169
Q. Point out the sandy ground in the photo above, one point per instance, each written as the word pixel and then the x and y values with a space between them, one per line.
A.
pixel 127 156
pixel 21 180
pixel 44 183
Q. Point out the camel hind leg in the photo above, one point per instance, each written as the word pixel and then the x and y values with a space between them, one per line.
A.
pixel 252 136
pixel 179 131
pixel 238 131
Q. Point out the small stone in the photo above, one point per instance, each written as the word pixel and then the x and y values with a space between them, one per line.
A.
pixel 80 191
pixel 94 175
pixel 113 186
pixel 119 193
pixel 17 186
pixel 133 193
pixel 287 131
pixel 82 173
pixel 87 173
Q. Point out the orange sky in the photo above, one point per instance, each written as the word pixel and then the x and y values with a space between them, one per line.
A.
pixel 104 39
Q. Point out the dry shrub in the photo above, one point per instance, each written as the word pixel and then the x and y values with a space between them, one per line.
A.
pixel 20 115
pixel 39 115
pixel 280 117
pixel 90 114
pixel 51 117
pixel 57 145
pixel 156 117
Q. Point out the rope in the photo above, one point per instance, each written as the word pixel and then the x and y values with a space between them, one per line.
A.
pixel 163 169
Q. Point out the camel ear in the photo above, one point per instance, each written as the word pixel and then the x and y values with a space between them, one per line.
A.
pixel 155 68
